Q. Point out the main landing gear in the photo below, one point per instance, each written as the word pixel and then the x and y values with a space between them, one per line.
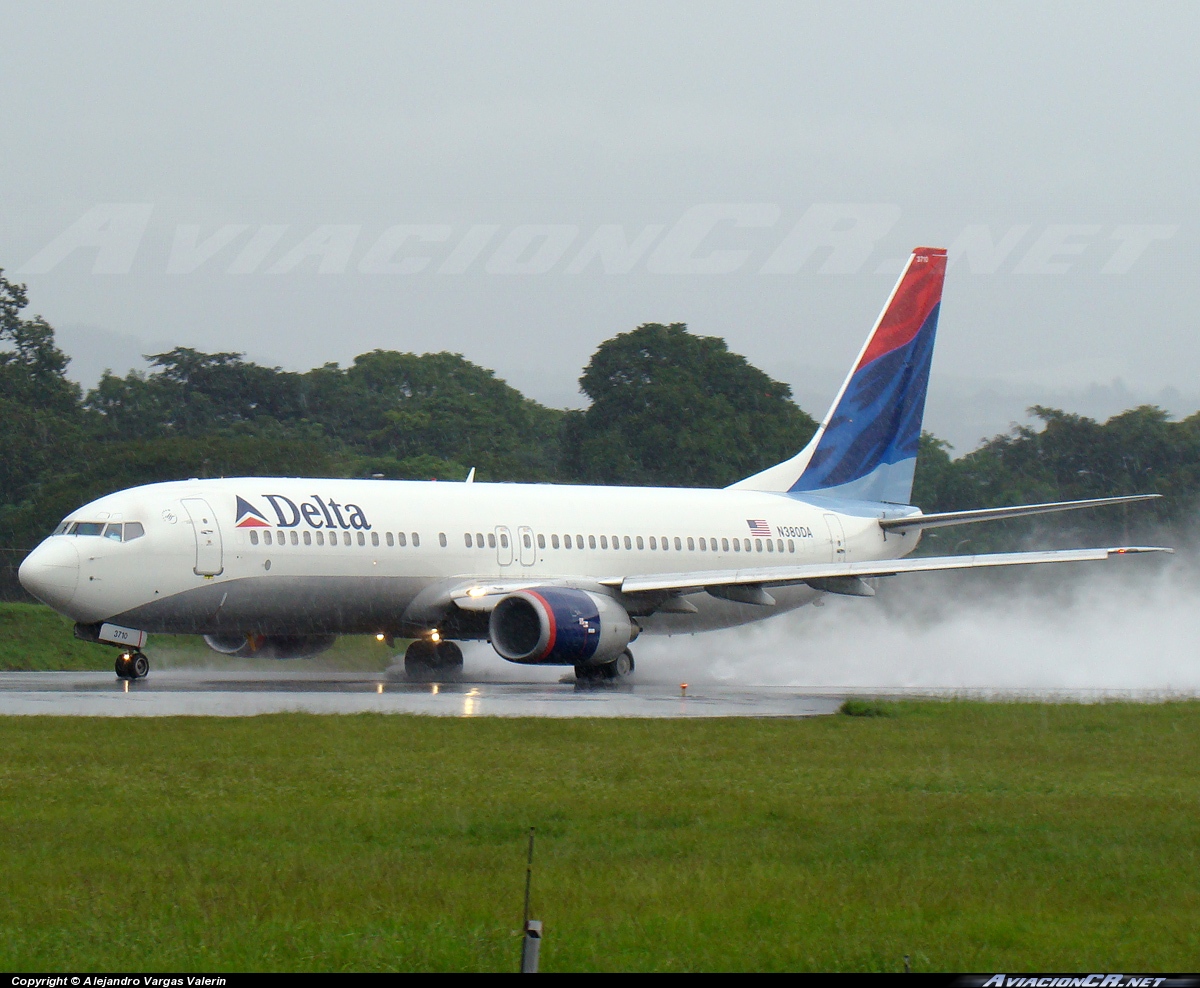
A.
pixel 611 672
pixel 132 665
pixel 426 661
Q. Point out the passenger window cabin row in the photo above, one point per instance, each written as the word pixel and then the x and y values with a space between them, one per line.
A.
pixel 491 541
pixel 282 537
pixel 630 542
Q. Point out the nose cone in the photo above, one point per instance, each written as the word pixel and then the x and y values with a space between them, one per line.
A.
pixel 51 572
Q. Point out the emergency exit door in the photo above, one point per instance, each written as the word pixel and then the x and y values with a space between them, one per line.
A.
pixel 525 546
pixel 504 547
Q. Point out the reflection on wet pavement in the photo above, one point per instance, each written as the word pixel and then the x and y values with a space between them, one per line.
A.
pixel 230 694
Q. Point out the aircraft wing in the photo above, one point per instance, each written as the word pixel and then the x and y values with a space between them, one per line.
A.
pixel 747 585
pixel 942 519
pixel 779 576
pixel 483 594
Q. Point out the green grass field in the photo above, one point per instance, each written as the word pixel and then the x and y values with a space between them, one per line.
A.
pixel 33 637
pixel 969 836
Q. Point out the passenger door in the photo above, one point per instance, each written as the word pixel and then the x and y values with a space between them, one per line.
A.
pixel 209 560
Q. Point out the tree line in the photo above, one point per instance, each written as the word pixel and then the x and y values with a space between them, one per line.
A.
pixel 665 408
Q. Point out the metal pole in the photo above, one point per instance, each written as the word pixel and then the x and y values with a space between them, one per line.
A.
pixel 528 880
pixel 530 947
pixel 531 929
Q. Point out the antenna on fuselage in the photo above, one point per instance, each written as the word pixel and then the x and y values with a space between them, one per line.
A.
pixel 471 476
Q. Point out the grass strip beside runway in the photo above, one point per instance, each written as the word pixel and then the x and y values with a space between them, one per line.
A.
pixel 33 638
pixel 969 836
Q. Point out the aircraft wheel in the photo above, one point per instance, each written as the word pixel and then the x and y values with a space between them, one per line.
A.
pixel 141 666
pixel 124 666
pixel 618 669
pixel 449 659
pixel 610 672
pixel 420 660
pixel 622 666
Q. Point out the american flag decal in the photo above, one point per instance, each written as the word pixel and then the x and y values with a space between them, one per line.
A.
pixel 759 526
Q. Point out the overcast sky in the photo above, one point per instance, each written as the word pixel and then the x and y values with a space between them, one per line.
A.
pixel 518 182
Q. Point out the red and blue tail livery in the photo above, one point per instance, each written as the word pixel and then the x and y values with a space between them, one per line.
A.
pixel 866 448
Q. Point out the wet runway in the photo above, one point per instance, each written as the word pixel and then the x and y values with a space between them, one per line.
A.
pixel 174 692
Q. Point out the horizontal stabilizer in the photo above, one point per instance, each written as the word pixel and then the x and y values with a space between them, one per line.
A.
pixel 781 576
pixel 944 519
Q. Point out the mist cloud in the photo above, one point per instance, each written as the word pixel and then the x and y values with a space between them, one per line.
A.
pixel 1111 629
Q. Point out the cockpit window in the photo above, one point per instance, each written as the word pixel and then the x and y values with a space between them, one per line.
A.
pixel 113 530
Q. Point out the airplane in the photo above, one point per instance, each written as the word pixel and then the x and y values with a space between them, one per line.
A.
pixel 548 574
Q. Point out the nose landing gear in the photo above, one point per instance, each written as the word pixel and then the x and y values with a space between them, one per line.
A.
pixel 132 665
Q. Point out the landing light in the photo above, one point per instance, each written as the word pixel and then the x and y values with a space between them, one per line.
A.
pixel 435 636
pixel 477 592
pixel 380 637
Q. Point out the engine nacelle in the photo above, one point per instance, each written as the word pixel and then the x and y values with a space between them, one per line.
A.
pixel 270 646
pixel 559 626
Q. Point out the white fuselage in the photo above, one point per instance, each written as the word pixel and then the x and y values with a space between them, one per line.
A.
pixel 360 556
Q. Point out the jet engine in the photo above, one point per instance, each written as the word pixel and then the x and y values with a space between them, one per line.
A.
pixel 270 646
pixel 559 626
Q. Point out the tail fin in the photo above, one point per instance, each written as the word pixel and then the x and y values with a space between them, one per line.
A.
pixel 866 447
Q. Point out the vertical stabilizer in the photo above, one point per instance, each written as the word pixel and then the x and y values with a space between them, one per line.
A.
pixel 866 447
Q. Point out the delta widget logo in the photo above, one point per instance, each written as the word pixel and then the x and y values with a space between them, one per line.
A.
pixel 248 516
pixel 314 513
